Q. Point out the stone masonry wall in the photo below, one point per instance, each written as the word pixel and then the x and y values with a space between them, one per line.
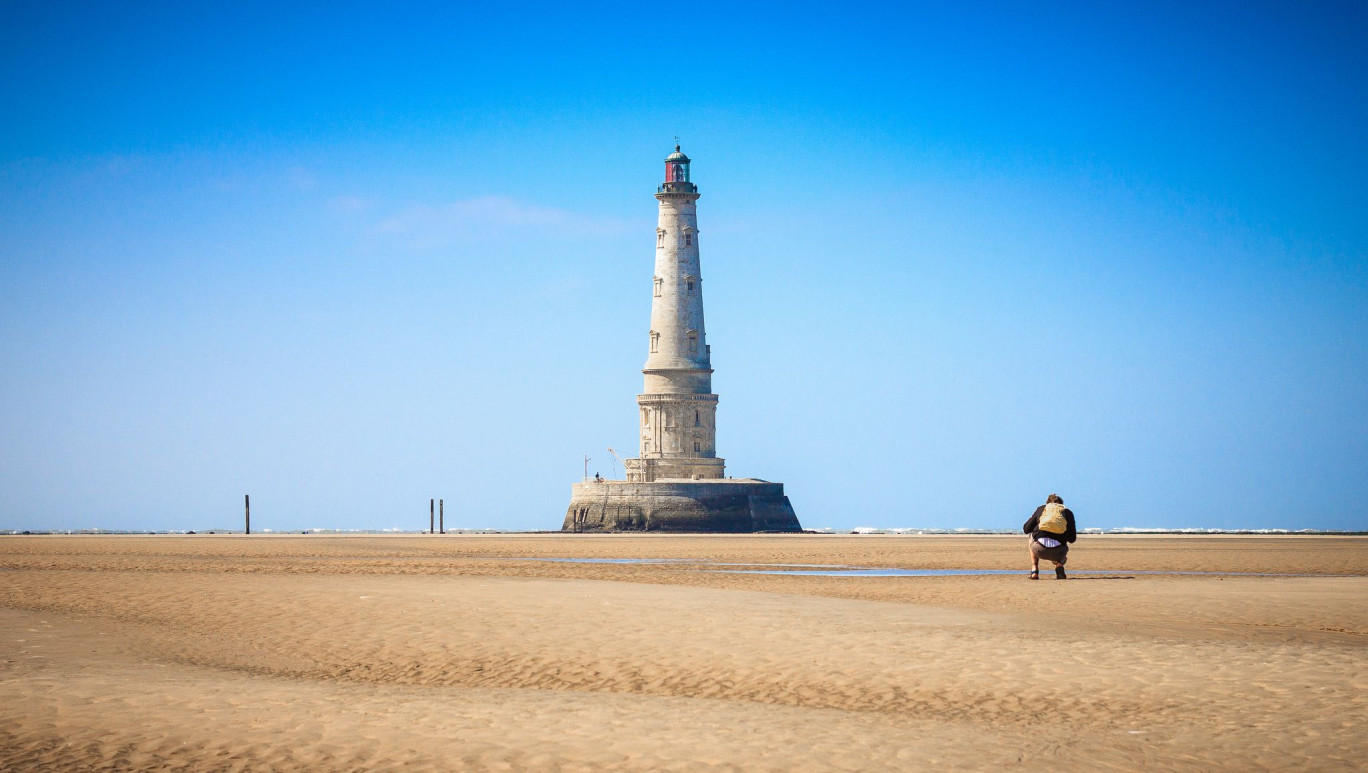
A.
pixel 726 506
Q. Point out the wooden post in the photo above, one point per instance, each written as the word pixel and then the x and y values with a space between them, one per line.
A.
pixel 441 516
pixel 430 516
pixel 247 503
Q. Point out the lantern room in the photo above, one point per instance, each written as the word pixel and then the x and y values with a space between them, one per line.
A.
pixel 677 174
pixel 676 167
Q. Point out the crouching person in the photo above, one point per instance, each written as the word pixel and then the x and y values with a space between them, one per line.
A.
pixel 1052 529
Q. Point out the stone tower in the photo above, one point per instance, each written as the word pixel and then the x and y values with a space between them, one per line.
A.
pixel 677 481
pixel 678 409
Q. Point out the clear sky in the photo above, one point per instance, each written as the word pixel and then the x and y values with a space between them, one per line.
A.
pixel 350 257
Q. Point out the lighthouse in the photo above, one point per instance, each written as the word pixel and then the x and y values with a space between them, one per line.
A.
pixel 678 482
pixel 678 410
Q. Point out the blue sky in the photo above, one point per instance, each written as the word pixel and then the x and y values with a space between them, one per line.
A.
pixel 348 257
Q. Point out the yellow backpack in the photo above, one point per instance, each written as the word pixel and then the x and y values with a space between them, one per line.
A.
pixel 1052 520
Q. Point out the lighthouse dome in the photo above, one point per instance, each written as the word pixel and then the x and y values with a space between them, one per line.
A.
pixel 677 156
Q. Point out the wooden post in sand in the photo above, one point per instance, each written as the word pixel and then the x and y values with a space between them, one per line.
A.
pixel 430 516
pixel 247 503
pixel 441 516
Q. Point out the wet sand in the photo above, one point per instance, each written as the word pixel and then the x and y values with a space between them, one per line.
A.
pixel 448 652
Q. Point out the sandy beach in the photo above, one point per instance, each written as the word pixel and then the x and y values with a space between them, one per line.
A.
pixel 307 652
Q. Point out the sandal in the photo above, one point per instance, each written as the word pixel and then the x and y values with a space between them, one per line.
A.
pixel 1034 575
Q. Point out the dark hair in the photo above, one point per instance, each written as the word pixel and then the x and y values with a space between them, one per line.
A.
pixel 1054 499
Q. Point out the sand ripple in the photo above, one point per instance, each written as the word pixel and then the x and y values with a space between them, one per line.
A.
pixel 295 654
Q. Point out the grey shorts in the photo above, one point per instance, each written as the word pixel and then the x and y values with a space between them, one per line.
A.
pixel 1049 554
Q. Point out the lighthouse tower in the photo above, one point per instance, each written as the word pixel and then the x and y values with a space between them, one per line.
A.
pixel 676 483
pixel 678 409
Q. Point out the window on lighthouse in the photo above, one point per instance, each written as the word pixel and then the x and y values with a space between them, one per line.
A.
pixel 688 240
pixel 659 283
pixel 660 237
pixel 655 342
pixel 693 342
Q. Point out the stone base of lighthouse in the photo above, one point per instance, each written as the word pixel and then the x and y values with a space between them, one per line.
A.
pixel 730 505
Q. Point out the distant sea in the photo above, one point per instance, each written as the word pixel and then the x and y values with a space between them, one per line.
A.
pixel 861 530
